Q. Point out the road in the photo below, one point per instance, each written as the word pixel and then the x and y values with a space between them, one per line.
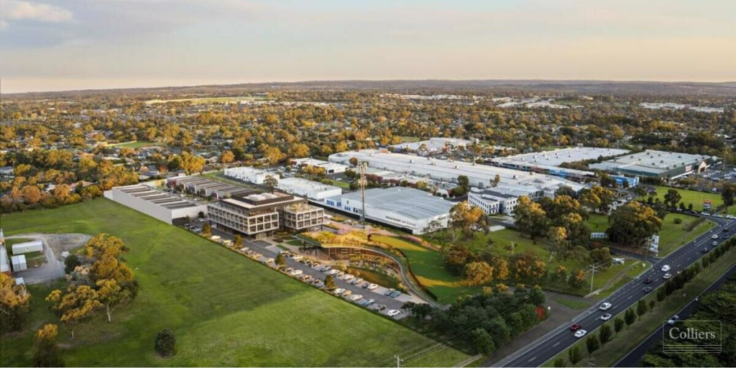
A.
pixel 561 338
pixel 633 358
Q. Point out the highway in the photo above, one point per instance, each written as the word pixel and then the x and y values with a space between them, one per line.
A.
pixel 561 338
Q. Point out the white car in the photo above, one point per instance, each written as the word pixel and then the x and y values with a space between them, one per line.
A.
pixel 356 297
pixel 372 287
pixel 349 277
pixel 393 312
pixel 714 236
pixel 606 316
pixel 667 276
pixel 580 333
pixel 332 272
pixel 665 268
pixel 339 291
pixel 605 306
pixel 296 272
pixel 672 320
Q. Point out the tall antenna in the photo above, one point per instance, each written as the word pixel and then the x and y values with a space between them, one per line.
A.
pixel 362 182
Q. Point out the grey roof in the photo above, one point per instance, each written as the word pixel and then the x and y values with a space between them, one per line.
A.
pixel 410 202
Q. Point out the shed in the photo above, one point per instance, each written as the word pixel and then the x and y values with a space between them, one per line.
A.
pixel 19 263
pixel 28 247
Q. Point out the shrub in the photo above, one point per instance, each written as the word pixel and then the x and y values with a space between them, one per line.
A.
pixel 165 343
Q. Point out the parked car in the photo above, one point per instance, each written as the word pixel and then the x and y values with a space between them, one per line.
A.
pixel 332 272
pixel 370 301
pixel 381 307
pixel 580 333
pixel 372 286
pixel 575 327
pixel 338 291
pixel 393 312
pixel 605 306
pixel 388 292
pixel 356 297
pixel 394 294
pixel 349 277
pixel 606 316
pixel 296 272
pixel 319 284
pixel 665 268
pixel 347 293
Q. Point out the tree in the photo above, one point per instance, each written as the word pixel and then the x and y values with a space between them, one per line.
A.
pixel 465 216
pixel 165 343
pixel 559 362
pixel 227 157
pixel 630 317
pixel 113 295
pixel 463 181
pixel 661 294
pixel 478 273
pixel 601 256
pixel 597 198
pixel 353 161
pixel 75 305
pixel 482 342
pixel 592 344
pixel 207 229
pixel 605 334
pixel 238 241
pixel 728 193
pixel 641 308
pixel 672 198
pixel 574 355
pixel 271 182
pixel 618 324
pixel 70 263
pixel 530 218
pixel 191 163
pixel 633 224
pixel 330 282
pixel 577 279
pixel 280 260
pixel 14 304
pixel 45 351
pixel 496 180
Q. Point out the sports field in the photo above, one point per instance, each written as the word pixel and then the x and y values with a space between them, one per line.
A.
pixel 225 310
pixel 696 198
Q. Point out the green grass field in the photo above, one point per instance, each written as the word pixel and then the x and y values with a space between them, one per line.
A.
pixel 137 144
pixel 341 184
pixel 694 197
pixel 428 267
pixel 225 309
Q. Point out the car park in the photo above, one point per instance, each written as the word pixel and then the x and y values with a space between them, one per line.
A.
pixel 605 306
pixel 393 312
pixel 667 276
pixel 665 268
pixel 580 333
pixel 606 316
pixel 575 327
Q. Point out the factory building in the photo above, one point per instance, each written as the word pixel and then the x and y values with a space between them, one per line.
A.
pixel 406 208
pixel 433 145
pixel 492 202
pixel 657 164
pixel 549 162
pixel 249 174
pixel 329 167
pixel 306 188
pixel 166 207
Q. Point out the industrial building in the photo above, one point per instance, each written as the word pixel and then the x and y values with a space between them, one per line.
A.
pixel 306 188
pixel 657 164
pixel 5 261
pixel 28 247
pixel 329 167
pixel 511 182
pixel 258 215
pixel 492 202
pixel 406 208
pixel 549 162
pixel 433 145
pixel 166 207
pixel 249 174
pixel 205 187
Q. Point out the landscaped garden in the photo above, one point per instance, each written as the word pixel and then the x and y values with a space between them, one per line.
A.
pixel 225 310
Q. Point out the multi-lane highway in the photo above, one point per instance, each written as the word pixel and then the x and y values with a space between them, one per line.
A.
pixel 561 338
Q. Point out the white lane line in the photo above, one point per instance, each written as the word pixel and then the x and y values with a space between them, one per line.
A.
pixel 555 345
pixel 531 359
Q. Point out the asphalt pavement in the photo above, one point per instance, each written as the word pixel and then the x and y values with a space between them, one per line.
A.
pixel 561 338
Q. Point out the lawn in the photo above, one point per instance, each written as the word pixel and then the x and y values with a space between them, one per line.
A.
pixel 671 236
pixel 428 267
pixel 225 309
pixel 137 144
pixel 375 277
pixel 694 197
pixel 337 183
pixel 572 304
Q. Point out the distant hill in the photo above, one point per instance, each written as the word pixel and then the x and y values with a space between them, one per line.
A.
pixel 429 86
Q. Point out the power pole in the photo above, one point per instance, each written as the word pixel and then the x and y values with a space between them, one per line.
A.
pixel 362 182
pixel 398 361
pixel 593 268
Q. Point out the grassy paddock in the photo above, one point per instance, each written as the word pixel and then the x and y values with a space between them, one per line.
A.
pixel 694 197
pixel 225 309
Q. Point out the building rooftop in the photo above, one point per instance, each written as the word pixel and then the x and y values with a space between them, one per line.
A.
pixel 412 203
pixel 557 157
pixel 654 162
pixel 433 144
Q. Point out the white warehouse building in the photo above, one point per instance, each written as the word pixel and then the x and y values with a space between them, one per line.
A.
pixel 492 202
pixel 512 182
pixel 166 207
pixel 307 188
pixel 330 167
pixel 406 208
pixel 249 174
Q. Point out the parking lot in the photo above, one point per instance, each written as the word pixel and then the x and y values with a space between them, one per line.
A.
pixel 358 293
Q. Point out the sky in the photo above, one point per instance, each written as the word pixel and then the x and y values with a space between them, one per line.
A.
pixel 53 45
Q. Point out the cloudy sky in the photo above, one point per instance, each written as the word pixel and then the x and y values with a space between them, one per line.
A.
pixel 80 44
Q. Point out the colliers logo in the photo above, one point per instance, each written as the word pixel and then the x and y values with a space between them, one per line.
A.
pixel 693 337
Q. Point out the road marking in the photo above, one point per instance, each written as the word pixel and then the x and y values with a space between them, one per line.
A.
pixel 531 359
pixel 558 343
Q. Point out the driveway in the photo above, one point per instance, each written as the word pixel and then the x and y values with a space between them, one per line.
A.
pixel 51 270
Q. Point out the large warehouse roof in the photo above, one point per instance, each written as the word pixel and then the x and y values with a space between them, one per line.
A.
pixel 512 181
pixel 652 162
pixel 565 155
pixel 412 203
